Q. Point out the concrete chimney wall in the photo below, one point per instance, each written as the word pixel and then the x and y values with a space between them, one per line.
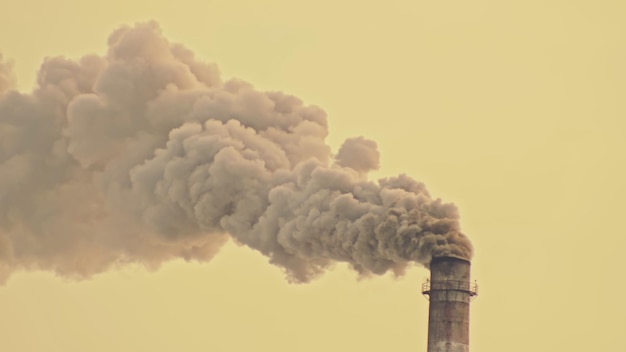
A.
pixel 449 291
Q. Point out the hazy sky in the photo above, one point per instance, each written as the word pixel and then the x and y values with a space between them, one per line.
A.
pixel 511 110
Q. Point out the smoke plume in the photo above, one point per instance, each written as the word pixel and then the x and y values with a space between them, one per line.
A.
pixel 145 154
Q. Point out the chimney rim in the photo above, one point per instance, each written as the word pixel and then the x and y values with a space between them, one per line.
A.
pixel 449 258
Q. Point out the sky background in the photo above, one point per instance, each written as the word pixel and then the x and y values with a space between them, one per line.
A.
pixel 512 110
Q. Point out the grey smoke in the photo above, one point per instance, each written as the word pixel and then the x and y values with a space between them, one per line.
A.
pixel 145 155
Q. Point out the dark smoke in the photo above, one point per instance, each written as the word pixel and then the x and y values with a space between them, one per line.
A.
pixel 146 155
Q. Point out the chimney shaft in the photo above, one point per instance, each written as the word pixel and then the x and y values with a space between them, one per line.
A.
pixel 449 291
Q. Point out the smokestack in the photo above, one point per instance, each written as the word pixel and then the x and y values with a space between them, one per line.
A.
pixel 450 292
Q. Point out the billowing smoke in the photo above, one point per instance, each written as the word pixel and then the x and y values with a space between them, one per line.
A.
pixel 145 154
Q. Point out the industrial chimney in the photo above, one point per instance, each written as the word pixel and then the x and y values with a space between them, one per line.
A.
pixel 450 292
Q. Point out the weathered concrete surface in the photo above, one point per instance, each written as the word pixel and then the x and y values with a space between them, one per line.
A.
pixel 450 294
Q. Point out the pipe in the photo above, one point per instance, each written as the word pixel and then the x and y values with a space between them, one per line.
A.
pixel 450 292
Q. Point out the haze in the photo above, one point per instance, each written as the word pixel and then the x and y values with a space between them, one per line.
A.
pixel 513 111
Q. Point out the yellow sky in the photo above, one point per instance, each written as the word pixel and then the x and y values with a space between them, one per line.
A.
pixel 513 110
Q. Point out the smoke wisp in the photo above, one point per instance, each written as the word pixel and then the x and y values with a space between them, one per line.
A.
pixel 145 154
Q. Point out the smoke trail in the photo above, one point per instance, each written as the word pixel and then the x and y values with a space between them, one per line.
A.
pixel 145 155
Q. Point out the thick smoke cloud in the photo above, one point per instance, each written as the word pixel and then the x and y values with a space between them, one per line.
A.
pixel 145 154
